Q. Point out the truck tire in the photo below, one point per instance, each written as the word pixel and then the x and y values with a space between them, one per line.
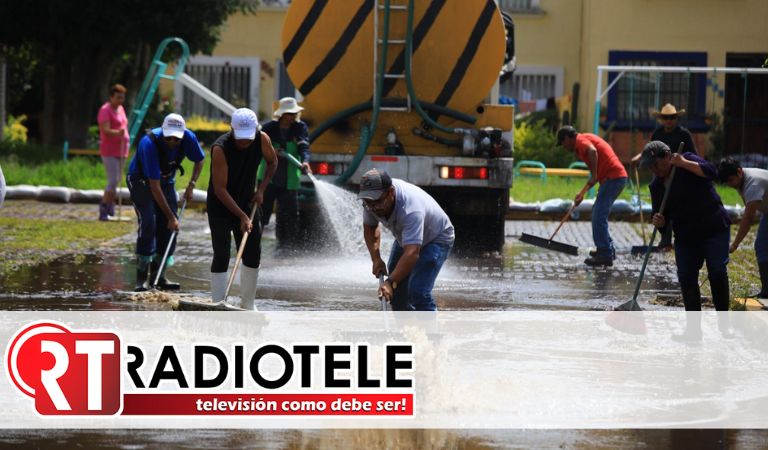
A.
pixel 478 217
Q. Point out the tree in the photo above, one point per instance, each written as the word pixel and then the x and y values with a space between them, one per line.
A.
pixel 81 43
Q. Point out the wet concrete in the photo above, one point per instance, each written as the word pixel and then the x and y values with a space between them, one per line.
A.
pixel 388 439
pixel 523 276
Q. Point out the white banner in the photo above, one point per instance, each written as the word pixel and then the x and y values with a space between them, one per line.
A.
pixel 521 369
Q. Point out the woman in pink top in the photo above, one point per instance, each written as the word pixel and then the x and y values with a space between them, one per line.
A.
pixel 113 146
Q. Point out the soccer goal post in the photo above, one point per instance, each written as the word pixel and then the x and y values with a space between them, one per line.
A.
pixel 622 71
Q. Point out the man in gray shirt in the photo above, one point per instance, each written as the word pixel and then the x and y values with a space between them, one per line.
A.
pixel 423 239
pixel 752 185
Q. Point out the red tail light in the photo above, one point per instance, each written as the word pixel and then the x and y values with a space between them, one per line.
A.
pixel 463 173
pixel 322 168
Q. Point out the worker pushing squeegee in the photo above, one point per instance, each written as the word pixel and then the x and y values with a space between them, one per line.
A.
pixel 606 169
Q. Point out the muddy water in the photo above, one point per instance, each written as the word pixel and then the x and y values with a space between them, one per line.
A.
pixel 522 277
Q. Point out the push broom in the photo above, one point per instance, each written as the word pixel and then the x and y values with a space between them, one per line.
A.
pixel 550 243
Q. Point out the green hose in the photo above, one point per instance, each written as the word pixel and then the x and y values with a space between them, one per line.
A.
pixel 409 78
pixel 367 131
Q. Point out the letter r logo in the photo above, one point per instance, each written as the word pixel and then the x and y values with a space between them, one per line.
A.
pixel 66 372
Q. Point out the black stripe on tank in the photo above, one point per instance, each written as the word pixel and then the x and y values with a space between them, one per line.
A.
pixel 460 69
pixel 422 28
pixel 304 29
pixel 338 50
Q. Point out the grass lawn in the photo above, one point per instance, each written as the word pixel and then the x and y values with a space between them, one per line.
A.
pixel 26 241
pixel 82 172
pixel 528 189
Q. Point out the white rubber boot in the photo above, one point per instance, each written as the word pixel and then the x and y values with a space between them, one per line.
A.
pixel 248 279
pixel 218 285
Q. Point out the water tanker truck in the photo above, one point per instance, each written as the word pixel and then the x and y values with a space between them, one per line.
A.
pixel 403 87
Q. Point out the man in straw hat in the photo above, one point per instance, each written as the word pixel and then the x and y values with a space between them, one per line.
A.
pixel 671 133
pixel 289 134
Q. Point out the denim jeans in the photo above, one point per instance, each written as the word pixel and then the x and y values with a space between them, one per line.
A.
pixel 607 194
pixel 761 240
pixel 415 292
pixel 691 255
pixel 153 233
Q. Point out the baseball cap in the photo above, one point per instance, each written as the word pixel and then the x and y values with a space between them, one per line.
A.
pixel 564 131
pixel 244 123
pixel 651 152
pixel 373 184
pixel 174 126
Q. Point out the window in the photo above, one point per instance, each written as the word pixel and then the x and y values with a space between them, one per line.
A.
pixel 637 95
pixel 520 6
pixel 236 80
pixel 534 83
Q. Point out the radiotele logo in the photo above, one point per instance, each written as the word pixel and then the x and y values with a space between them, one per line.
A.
pixel 66 372
pixel 80 373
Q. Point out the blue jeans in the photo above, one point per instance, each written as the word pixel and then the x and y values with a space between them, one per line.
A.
pixel 415 292
pixel 153 234
pixel 607 194
pixel 691 255
pixel 761 240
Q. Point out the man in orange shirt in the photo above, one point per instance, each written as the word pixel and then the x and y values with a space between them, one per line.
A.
pixel 606 169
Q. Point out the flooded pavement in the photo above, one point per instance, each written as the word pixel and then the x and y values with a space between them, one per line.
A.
pixel 523 277
pixel 390 439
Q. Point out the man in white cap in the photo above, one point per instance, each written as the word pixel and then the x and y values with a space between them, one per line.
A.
pixel 423 239
pixel 152 181
pixel 235 156
pixel 290 136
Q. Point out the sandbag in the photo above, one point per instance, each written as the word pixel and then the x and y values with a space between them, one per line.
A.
pixel 56 194
pixel 2 187
pixel 524 207
pixel 623 207
pixel 585 206
pixel 91 195
pixel 555 206
pixel 22 192
pixel 198 196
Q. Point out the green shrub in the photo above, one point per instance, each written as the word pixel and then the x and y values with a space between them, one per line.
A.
pixel 535 141
pixel 29 153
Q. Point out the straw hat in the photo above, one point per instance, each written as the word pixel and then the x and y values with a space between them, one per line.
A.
pixel 668 110
pixel 288 105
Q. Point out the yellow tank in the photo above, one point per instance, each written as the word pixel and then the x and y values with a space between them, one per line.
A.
pixel 328 49
pixel 332 50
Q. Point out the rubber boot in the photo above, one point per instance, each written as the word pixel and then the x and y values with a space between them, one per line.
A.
pixel 721 297
pixel 218 285
pixel 162 282
pixel 103 213
pixel 141 280
pixel 692 333
pixel 248 279
pixel 691 297
pixel 763 267
pixel 111 209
